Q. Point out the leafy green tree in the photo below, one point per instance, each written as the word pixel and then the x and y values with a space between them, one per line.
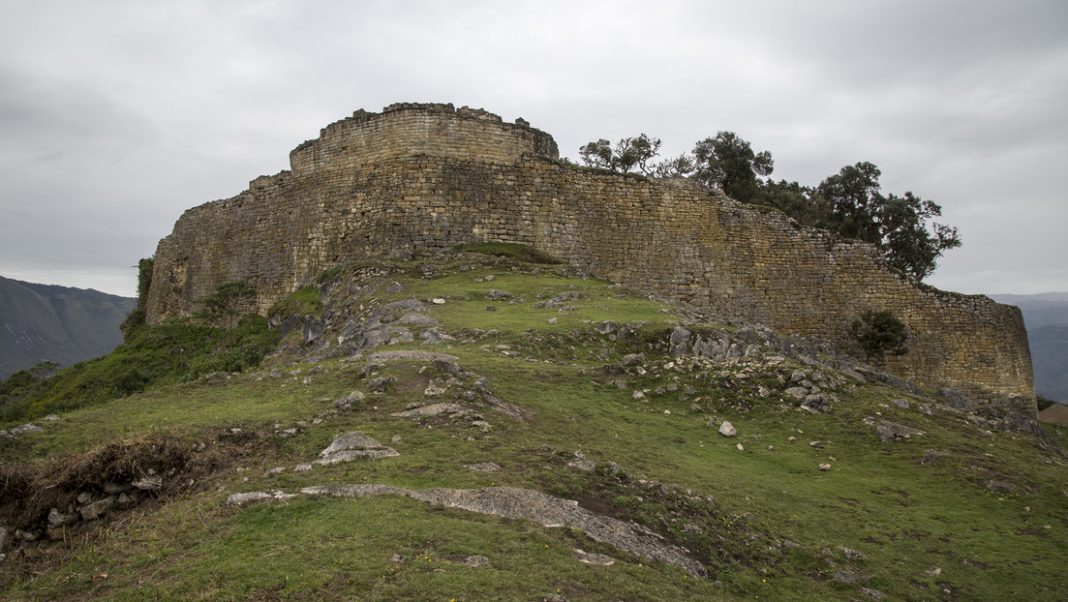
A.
pixel 854 201
pixel 627 155
pixel 728 162
pixel 679 167
pixel 880 333
pixel 799 202
pixel 899 225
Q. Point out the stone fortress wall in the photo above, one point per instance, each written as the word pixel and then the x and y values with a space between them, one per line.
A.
pixel 432 176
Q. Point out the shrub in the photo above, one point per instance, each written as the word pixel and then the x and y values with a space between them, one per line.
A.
pixel 515 251
pixel 880 333
pixel 302 302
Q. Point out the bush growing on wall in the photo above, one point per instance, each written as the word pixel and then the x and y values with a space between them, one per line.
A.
pixel 880 333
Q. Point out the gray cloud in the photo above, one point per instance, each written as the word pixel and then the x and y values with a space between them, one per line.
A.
pixel 115 118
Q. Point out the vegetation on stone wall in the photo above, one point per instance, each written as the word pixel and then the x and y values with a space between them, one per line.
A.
pixel 302 302
pixel 227 304
pixel 879 334
pixel 849 203
pixel 136 319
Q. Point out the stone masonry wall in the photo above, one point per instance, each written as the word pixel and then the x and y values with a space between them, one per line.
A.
pixel 471 178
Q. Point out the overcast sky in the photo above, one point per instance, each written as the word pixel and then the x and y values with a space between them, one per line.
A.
pixel 117 116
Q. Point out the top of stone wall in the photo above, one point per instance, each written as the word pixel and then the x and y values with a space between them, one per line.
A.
pixel 406 129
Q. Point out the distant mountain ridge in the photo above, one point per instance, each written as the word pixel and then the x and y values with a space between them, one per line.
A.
pixel 1046 318
pixel 42 322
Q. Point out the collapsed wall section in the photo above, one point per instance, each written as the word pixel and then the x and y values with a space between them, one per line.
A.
pixel 671 237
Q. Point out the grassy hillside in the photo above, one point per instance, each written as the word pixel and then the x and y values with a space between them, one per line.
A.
pixel 537 370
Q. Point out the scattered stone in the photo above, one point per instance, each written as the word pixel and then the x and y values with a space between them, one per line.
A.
pixel 900 403
pixel 252 497
pixel 933 571
pixel 892 431
pixel 925 408
pixel 433 336
pixel 415 319
pixel 638 395
pixel 448 367
pixel 727 429
pixel 349 400
pixel 84 497
pixel 593 559
pixel 483 467
pixel 932 455
pixel 1000 486
pixel 148 483
pixel 381 383
pixel 438 301
pixel 797 392
pixel 740 447
pixel 816 403
pixel 476 561
pixel 852 554
pixel 825 467
pixel 491 308
pixel 844 577
pixel 302 468
pixel 552 320
pixel 581 462
pixel 434 390
pixel 95 510
pixel 874 594
pixel 115 488
pixel 274 471
pixel 59 519
pixel 395 287
pixel 417 355
pixel 497 294
pixel 632 359
pixel 346 447
pixel 454 410
pixel 607 327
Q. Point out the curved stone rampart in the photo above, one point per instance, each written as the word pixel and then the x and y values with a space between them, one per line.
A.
pixel 669 236
pixel 404 129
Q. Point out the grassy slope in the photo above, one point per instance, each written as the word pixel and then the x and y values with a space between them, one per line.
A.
pixel 905 517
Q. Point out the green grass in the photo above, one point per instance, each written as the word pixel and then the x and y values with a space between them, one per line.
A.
pixel 304 301
pixel 905 517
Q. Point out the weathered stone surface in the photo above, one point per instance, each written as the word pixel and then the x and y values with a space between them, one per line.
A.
pixel 727 429
pixel 432 176
pixel 892 431
pixel 347 447
pixel 95 510
pixel 149 483
pixel 252 497
pixel 546 510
